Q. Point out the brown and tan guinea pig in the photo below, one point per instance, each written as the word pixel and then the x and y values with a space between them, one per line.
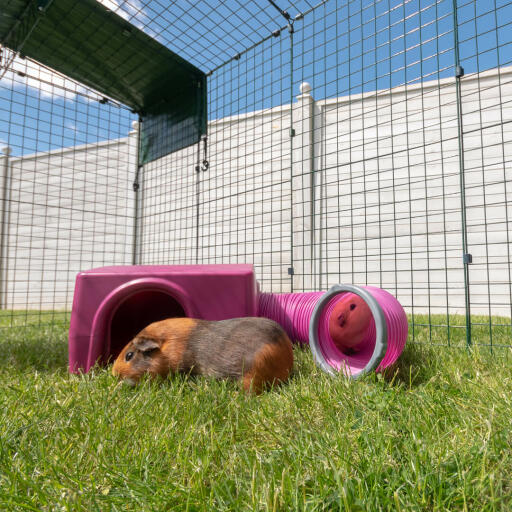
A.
pixel 256 351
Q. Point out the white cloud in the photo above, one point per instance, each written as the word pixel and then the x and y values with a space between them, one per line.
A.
pixel 132 11
pixel 49 84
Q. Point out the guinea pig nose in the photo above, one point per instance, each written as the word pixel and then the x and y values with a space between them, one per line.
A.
pixel 341 319
pixel 128 356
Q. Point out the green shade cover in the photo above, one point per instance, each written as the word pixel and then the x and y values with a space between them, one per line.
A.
pixel 87 42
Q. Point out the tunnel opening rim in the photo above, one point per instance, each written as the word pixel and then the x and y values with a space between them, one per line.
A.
pixel 381 334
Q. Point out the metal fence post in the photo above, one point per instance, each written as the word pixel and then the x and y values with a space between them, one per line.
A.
pixel 291 270
pixel 466 257
pixel 4 180
pixel 134 142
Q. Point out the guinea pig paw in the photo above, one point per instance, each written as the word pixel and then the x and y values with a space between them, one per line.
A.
pixel 129 382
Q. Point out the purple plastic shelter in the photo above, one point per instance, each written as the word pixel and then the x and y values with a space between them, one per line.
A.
pixel 112 304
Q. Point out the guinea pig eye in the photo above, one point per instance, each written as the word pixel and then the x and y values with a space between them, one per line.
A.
pixel 352 307
pixel 128 356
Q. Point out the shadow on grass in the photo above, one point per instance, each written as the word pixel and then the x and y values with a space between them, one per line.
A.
pixel 414 367
pixel 193 382
pixel 40 348
pixel 420 362
pixel 416 364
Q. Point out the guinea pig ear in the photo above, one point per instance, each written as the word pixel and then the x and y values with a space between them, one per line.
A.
pixel 146 344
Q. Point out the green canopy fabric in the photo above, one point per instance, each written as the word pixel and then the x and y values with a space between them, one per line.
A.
pixel 84 40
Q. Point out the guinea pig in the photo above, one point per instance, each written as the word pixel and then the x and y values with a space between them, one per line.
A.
pixel 348 322
pixel 256 351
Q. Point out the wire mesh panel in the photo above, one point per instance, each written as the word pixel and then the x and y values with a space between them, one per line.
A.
pixel 245 205
pixel 386 162
pixel 485 56
pixel 69 157
pixel 236 207
pixel 364 142
pixel 168 211
pixel 409 165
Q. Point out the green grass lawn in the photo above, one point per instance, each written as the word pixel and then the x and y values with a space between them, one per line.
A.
pixel 433 434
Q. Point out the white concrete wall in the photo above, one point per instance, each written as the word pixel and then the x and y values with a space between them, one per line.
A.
pixel 388 192
pixel 244 199
pixel 66 210
pixel 367 191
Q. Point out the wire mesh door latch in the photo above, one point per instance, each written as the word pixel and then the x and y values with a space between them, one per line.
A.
pixel 467 258
pixel 205 165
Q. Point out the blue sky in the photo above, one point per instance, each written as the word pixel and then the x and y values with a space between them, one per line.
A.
pixel 340 48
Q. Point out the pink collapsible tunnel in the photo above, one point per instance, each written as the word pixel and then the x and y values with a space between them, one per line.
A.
pixel 305 317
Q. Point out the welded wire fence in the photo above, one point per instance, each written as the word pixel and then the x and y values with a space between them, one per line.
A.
pixel 365 142
pixel 67 205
